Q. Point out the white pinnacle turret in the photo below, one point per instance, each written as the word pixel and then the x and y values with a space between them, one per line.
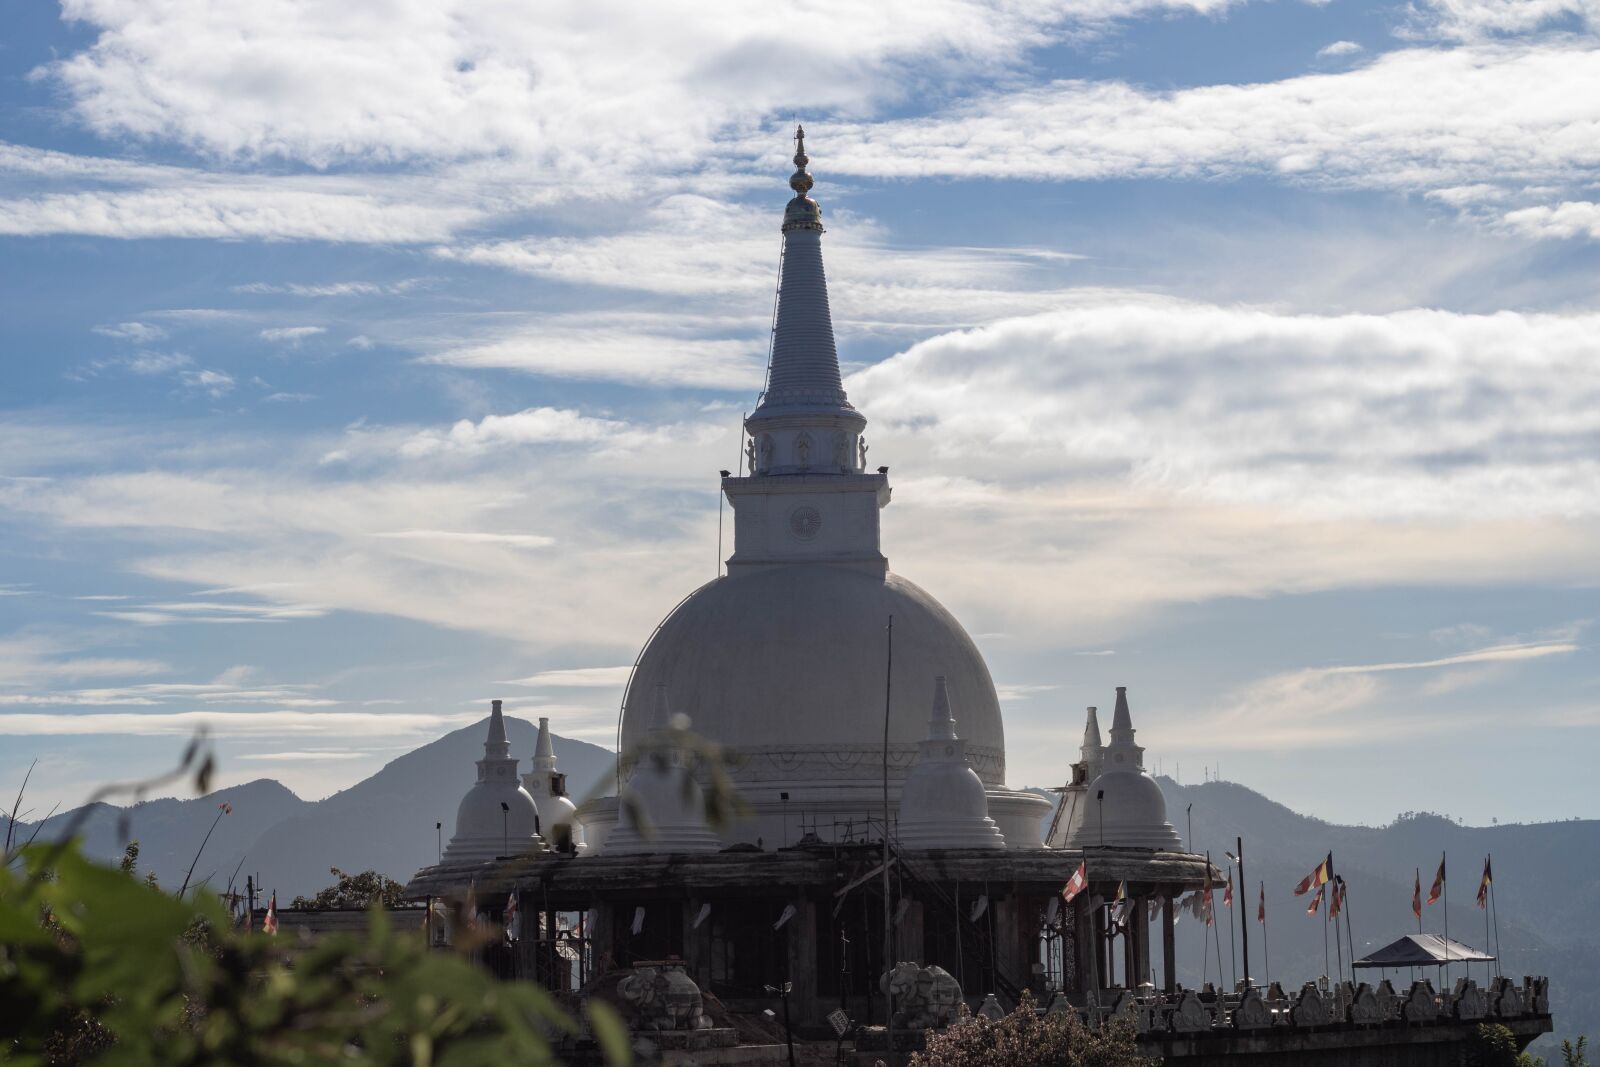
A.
pixel 662 807
pixel 548 787
pixel 944 804
pixel 497 817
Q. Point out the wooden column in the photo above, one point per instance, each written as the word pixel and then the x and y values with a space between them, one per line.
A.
pixel 1142 971
pixel 908 934
pixel 694 943
pixel 802 947
pixel 1169 953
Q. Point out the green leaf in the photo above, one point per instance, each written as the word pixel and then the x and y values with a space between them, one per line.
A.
pixel 609 1032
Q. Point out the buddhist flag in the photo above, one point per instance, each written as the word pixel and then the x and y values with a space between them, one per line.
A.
pixel 1483 886
pixel 510 916
pixel 1227 892
pixel 269 925
pixel 1119 903
pixel 1316 901
pixel 1336 899
pixel 1416 895
pixel 1077 883
pixel 1317 878
pixel 1261 908
pixel 1438 883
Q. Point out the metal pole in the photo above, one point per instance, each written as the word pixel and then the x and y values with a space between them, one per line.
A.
pixel 1244 927
pixel 1189 812
pixel 1444 869
pixel 888 907
pixel 1499 967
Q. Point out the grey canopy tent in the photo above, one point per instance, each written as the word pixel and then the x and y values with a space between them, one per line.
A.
pixel 1423 950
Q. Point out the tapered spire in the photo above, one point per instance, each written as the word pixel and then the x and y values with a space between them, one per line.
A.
pixel 942 724
pixel 498 745
pixel 803 378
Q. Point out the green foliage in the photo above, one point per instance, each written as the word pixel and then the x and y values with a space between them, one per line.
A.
pixel 353 891
pixel 1492 1045
pixel 1575 1055
pixel 1026 1038
pixel 95 966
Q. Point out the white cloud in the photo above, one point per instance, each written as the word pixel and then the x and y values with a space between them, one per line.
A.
pixel 213 383
pixel 471 537
pixel 1339 48
pixel 578 678
pixel 261 209
pixel 1412 119
pixel 534 426
pixel 1572 218
pixel 597 351
pixel 1476 19
pixel 1416 413
pixel 477 78
pixel 1344 705
pixel 140 332
pixel 225 723
pixel 312 756
pixel 291 335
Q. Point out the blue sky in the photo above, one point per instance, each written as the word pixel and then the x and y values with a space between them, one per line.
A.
pixel 359 363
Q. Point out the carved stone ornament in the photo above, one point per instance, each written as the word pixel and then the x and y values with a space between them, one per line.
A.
pixel 1191 1016
pixel 927 997
pixel 1419 1006
pixel 1470 1003
pixel 841 450
pixel 805 522
pixel 766 451
pixel 802 449
pixel 663 997
pixel 1366 1009
pixel 1506 997
pixel 1252 1012
pixel 1310 1008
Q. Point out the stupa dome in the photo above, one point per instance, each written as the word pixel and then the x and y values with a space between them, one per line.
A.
pixel 1125 807
pixel 943 803
pixel 662 809
pixel 786 665
pixel 496 817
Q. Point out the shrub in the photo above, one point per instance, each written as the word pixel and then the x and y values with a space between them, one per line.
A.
pixel 1026 1038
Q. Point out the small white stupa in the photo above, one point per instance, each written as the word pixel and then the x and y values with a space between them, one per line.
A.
pixel 1125 808
pixel 1091 755
pixel 943 803
pixel 558 815
pixel 497 817
pixel 662 808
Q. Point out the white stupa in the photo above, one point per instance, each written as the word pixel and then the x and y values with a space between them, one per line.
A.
pixel 1124 807
pixel 663 808
pixel 1074 796
pixel 558 815
pixel 782 661
pixel 943 804
pixel 497 817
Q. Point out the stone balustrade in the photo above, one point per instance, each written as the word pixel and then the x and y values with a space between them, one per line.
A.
pixel 1314 1005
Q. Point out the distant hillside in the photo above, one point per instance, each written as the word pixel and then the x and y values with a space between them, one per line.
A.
pixel 169 831
pixel 383 823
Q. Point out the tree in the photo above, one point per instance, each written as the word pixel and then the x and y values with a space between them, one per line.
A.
pixel 353 891
pixel 1027 1038
pixel 96 966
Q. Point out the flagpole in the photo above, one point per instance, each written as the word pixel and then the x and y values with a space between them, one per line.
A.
pixel 1233 941
pixel 1444 887
pixel 1344 906
pixel 1266 958
pixel 1498 966
pixel 1244 926
pixel 1325 967
pixel 1487 974
pixel 1211 915
pixel 888 923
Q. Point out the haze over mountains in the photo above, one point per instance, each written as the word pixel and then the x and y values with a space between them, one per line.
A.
pixel 383 823
pixel 1547 875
